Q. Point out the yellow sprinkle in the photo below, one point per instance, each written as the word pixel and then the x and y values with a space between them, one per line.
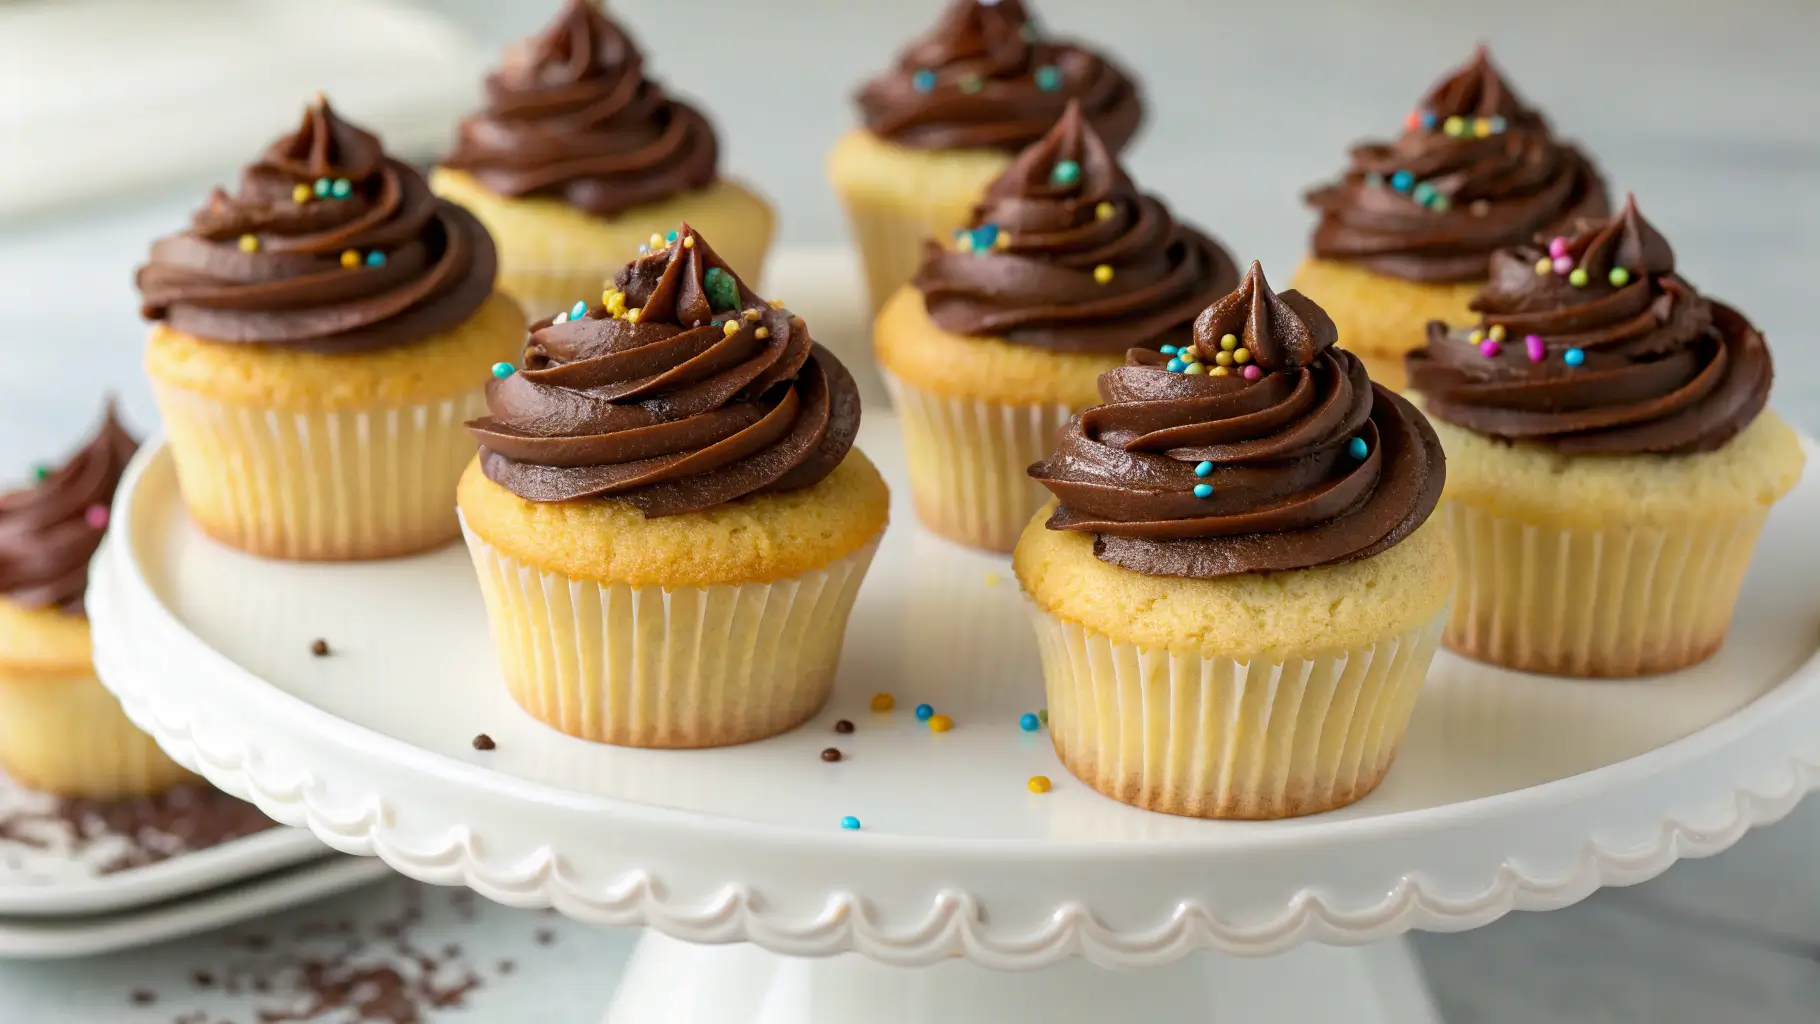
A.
pixel 730 328
pixel 1038 784
pixel 634 313
pixel 249 243
pixel 1475 336
pixel 1241 356
pixel 777 303
pixel 1003 241
pixel 762 333
pixel 1102 273
pixel 963 242
pixel 1544 265
pixel 1223 358
pixel 992 579
pixel 751 314
pixel 1104 211
pixel 616 304
pixel 350 259
pixel 1455 125
pixel 1219 371
pixel 1229 341
pixel 1193 369
pixel 1497 332
pixel 940 723
pixel 657 241
pixel 300 194
pixel 1481 126
pixel 689 242
pixel 883 702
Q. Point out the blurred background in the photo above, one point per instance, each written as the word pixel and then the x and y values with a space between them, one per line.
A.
pixel 117 115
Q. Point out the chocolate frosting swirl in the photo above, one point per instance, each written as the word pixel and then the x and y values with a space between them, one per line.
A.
pixel 329 245
pixel 50 530
pixel 986 78
pixel 1475 169
pixel 571 115
pixel 1066 254
pixel 1592 345
pixel 1303 463
pixel 684 391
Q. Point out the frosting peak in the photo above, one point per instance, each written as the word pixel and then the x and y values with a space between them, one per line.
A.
pixel 1296 462
pixel 1064 253
pixel 1475 169
pixel 681 391
pixel 986 78
pixel 328 245
pixel 50 530
pixel 571 115
pixel 1591 344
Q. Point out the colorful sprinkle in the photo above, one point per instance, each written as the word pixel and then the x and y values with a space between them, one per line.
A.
pixel 657 241
pixel 350 259
pixel 1579 277
pixel 1454 126
pixel 1194 369
pixel 1428 119
pixel 670 236
pixel 689 242
pixel 1373 179
pixel 1564 264
pixel 992 579
pixel 1102 274
pixel 1168 350
pixel 300 193
pixel 1423 193
pixel 1490 349
pixel 1481 126
pixel 1003 241
pixel 723 293
pixel 1357 448
pixel 1475 336
pixel 1497 332
pixel 1252 372
pixel 923 81
pixel 731 327
pixel 940 723
pixel 849 822
pixel 1029 722
pixel 635 314
pixel 560 318
pixel 1228 342
pixel 1203 469
pixel 375 258
pixel 971 84
pixel 985 237
pixel 1619 277
pixel 1038 784
pixel 1218 371
pixel 1440 203
pixel 1532 343
pixel 579 310
pixel 41 473
pixel 503 370
pixel 1479 207
pixel 1203 491
pixel 342 188
pixel 1544 265
pixel 923 712
pixel 1223 358
pixel 1412 120
pixel 1175 366
pixel 1498 124
pixel 1049 78
pixel 1042 715
pixel 1104 211
pixel 323 185
pixel 883 702
pixel 1065 172
pixel 1241 356
pixel 963 240
pixel 1573 357
pixel 1557 247
pixel 249 243
pixel 1402 181
pixel 96 517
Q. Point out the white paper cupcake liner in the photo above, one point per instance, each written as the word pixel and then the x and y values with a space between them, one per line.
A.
pixel 668 666
pixel 1214 737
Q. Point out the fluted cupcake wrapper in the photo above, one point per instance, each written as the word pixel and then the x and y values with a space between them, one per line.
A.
pixel 668 666
pixel 969 460
pixel 1214 737
pixel 1622 601
pixel 321 486
pixel 67 735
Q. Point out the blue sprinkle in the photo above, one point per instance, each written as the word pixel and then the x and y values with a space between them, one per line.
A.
pixel 1428 119
pixel 1049 78
pixel 1573 357
pixel 924 712
pixel 1029 722
pixel 923 81
pixel 1176 366
pixel 1065 172
pixel 375 258
pixel 671 237
pixel 1204 469
pixel 1356 448
pixel 849 822
pixel 1402 181
pixel 1498 124
pixel 983 238
pixel 1168 350
pixel 1203 490
pixel 1423 193
pixel 579 310
pixel 503 370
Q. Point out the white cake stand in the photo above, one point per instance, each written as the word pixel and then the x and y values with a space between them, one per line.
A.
pixel 1512 792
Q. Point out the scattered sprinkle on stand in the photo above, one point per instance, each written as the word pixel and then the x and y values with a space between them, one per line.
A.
pixel 883 702
pixel 831 754
pixel 484 742
pixel 940 723
pixel 1042 715
pixel 319 647
pixel 843 727
pixel 924 712
pixel 849 822
pixel 1038 784
pixel 1029 722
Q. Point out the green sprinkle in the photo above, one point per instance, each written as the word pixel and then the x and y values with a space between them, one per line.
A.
pixel 1619 277
pixel 1066 172
pixel 723 291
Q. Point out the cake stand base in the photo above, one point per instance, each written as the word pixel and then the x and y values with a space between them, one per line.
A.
pixel 673 982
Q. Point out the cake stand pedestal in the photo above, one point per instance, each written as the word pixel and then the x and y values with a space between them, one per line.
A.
pixel 1511 792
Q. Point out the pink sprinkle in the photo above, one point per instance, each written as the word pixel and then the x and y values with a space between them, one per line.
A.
pixel 1564 265
pixel 1490 349
pixel 1558 247
pixel 1252 372
pixel 96 516
pixel 1537 350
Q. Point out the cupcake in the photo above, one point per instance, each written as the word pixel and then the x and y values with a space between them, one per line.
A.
pixel 319 338
pixel 949 118
pixel 1008 325
pixel 1613 461
pixel 1406 236
pixel 1239 592
pixel 61 731
pixel 578 158
pixel 667 515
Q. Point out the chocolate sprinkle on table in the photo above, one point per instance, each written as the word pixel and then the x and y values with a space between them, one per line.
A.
pixel 319 647
pixel 831 754
pixel 843 727
pixel 484 742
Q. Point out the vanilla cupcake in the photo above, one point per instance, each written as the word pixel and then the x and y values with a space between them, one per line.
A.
pixel 668 516
pixel 948 119
pixel 320 336
pixel 578 158
pixel 1612 457
pixel 1008 325
pixel 1406 235
pixel 1239 592
pixel 61 731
